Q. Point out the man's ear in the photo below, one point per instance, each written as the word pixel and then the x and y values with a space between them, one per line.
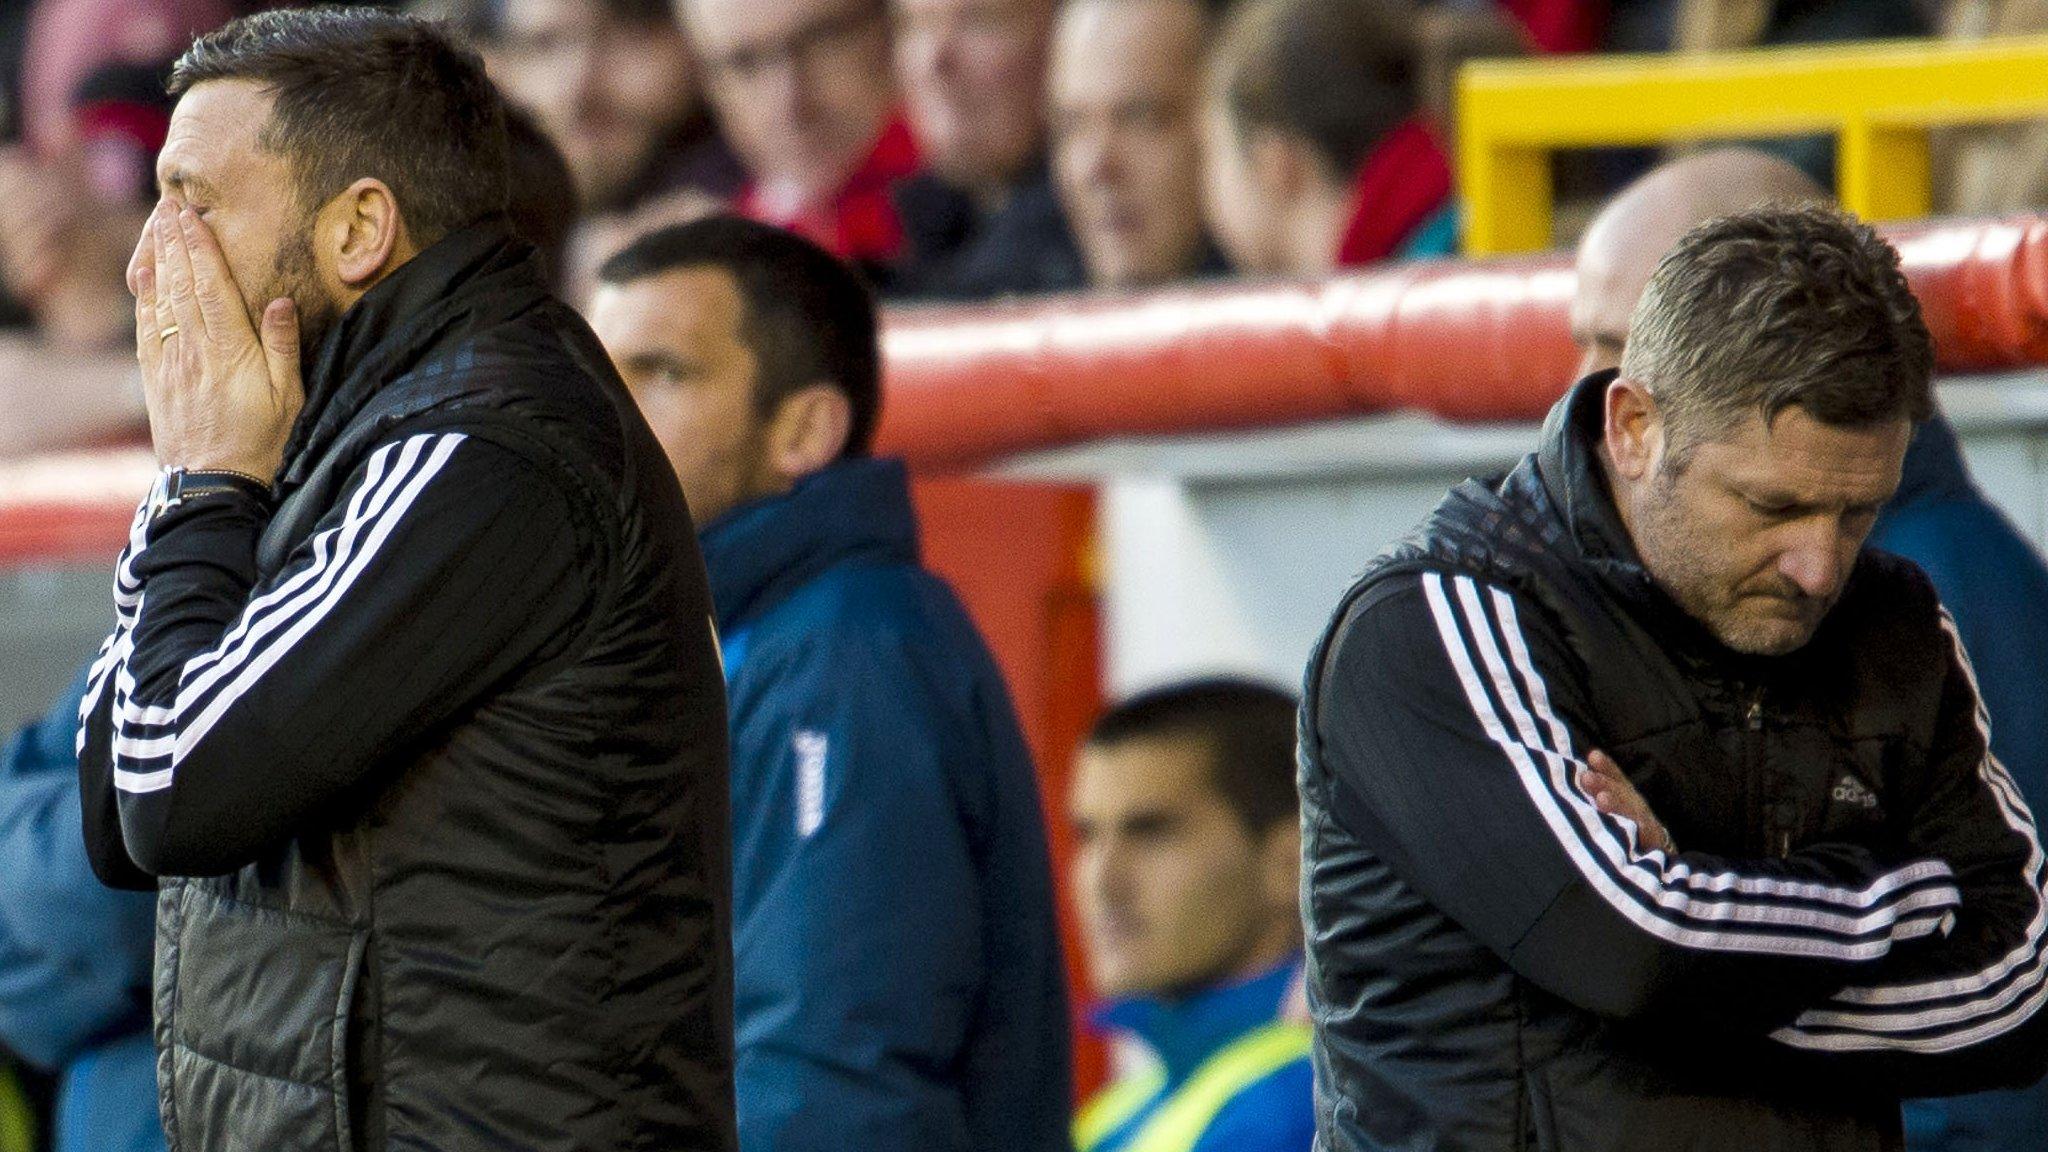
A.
pixel 1279 863
pixel 365 234
pixel 808 431
pixel 1634 429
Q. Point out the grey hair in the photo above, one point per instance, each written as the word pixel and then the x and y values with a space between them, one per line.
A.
pixel 1760 311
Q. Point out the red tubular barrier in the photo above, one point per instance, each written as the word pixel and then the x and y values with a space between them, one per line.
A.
pixel 1483 341
pixel 1466 341
pixel 70 508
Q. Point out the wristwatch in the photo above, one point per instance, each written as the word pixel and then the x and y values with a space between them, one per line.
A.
pixel 177 484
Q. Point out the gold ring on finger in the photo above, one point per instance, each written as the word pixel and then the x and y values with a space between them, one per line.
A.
pixel 166 332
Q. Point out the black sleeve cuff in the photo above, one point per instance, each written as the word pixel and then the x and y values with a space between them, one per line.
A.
pixel 216 524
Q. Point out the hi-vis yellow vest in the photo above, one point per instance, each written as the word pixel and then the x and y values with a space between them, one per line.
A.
pixel 17 1126
pixel 1178 1123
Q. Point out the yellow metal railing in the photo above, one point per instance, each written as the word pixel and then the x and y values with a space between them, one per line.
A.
pixel 1880 99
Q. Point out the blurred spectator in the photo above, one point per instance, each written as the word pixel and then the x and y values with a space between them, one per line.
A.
pixel 1992 168
pixel 1728 25
pixel 74 955
pixel 1989 578
pixel 1124 91
pixel 544 205
pixel 1187 868
pixel 1446 38
pixel 1315 154
pixel 14 18
pixel 52 398
pixel 803 92
pixel 982 220
pixel 613 82
pixel 1724 25
pixel 898 971
pixel 74 192
pixel 71 40
pixel 1558 25
pixel 63 248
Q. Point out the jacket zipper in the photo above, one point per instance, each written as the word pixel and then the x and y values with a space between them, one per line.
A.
pixel 1753 721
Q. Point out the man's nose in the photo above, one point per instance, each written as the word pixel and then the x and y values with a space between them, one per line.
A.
pixel 1108 877
pixel 585 70
pixel 1815 562
pixel 784 90
pixel 1092 157
pixel 941 55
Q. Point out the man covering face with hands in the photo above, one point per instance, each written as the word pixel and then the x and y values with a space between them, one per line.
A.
pixel 220 371
pixel 411 709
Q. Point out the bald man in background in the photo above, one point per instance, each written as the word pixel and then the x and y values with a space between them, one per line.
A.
pixel 1990 579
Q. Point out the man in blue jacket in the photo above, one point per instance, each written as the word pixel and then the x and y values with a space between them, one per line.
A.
pixel 897 965
pixel 1989 578
pixel 1187 871
pixel 74 955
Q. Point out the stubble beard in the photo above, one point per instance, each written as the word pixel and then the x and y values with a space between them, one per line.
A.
pixel 294 276
pixel 1681 559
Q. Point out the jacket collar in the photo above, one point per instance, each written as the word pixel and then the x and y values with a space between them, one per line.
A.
pixel 856 511
pixel 1568 460
pixel 1186 1032
pixel 467 279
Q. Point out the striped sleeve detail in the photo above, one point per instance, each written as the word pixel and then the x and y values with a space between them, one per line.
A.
pixel 1715 910
pixel 152 736
pixel 127 608
pixel 1943 1015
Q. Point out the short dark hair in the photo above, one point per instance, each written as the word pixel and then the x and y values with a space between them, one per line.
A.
pixel 1246 726
pixel 1339 74
pixel 364 92
pixel 543 205
pixel 1762 310
pixel 810 318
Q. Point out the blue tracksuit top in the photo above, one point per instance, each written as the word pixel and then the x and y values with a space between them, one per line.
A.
pixel 897 968
pixel 1994 583
pixel 1276 1113
pixel 74 956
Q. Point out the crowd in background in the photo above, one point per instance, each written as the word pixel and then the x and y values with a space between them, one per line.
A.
pixel 953 149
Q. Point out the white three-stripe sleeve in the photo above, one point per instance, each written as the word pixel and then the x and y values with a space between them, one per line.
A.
pixel 237 708
pixel 234 706
pixel 155 730
pixel 1687 901
pixel 1989 977
pixel 127 604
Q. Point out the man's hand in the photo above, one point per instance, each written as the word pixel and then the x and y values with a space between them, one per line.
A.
pixel 222 396
pixel 1613 794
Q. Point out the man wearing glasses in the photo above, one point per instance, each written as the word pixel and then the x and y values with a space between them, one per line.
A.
pixel 802 90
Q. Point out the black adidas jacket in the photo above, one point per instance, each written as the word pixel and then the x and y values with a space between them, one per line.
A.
pixel 1856 914
pixel 430 754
